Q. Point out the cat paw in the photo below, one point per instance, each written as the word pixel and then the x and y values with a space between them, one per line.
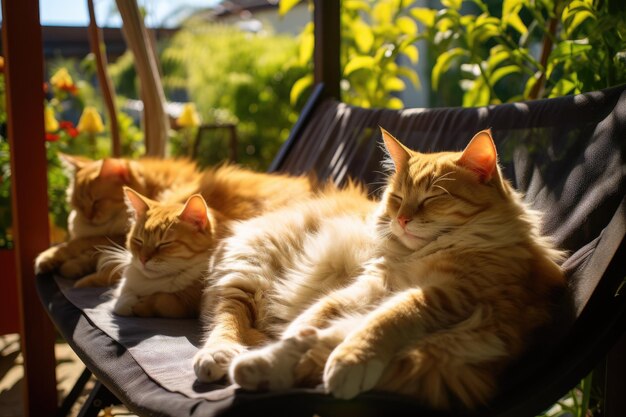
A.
pixel 346 375
pixel 124 305
pixel 47 261
pixel 210 364
pixel 272 368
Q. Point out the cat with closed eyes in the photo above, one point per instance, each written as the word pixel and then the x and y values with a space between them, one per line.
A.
pixel 431 293
pixel 98 216
pixel 170 243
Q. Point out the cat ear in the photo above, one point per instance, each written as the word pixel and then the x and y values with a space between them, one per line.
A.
pixel 195 212
pixel 136 202
pixel 73 163
pixel 480 155
pixel 115 169
pixel 398 152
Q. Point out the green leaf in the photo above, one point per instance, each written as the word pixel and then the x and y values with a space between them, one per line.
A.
pixel 452 4
pixel 497 55
pixel 305 52
pixel 298 88
pixel 411 52
pixel 395 103
pixel 411 75
pixel 394 84
pixel 356 5
pixel 406 25
pixel 443 63
pixel 477 95
pixel 576 20
pixel 510 7
pixel 562 88
pixel 516 23
pixel 569 48
pixel 357 63
pixel 382 12
pixel 285 5
pixel 530 83
pixel 363 36
pixel 510 15
pixel 502 72
pixel 426 16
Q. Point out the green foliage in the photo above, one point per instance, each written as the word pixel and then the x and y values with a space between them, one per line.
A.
pixel 525 49
pixel 374 35
pixel 582 401
pixel 234 76
pixel 66 103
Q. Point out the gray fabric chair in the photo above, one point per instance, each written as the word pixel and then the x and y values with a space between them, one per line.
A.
pixel 566 154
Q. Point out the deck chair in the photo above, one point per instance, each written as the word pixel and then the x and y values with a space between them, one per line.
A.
pixel 566 154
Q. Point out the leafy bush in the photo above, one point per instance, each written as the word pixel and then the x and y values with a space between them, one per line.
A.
pixel 234 76
pixel 68 95
pixel 525 49
pixel 374 35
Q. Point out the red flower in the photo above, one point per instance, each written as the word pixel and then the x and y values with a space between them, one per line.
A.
pixel 69 128
pixel 52 137
pixel 70 88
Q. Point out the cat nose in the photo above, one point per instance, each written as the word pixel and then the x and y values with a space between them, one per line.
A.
pixel 403 220
pixel 144 258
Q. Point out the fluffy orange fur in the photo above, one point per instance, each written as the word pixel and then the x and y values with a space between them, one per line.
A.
pixel 98 216
pixel 170 243
pixel 432 297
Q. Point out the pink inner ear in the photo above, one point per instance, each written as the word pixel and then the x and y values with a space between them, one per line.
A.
pixel 398 154
pixel 480 155
pixel 195 212
pixel 115 169
pixel 138 204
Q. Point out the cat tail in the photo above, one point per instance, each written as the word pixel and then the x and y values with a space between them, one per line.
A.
pixel 452 369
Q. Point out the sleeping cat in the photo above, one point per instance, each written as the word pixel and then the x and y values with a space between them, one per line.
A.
pixel 435 302
pixel 98 214
pixel 170 243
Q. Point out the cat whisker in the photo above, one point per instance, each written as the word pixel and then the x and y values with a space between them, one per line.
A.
pixel 442 188
pixel 444 177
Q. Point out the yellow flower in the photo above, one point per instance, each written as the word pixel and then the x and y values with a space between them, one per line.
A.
pixel 90 121
pixel 50 121
pixel 189 117
pixel 62 80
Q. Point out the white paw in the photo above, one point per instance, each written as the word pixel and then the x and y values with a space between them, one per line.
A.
pixel 124 304
pixel 210 364
pixel 345 376
pixel 272 367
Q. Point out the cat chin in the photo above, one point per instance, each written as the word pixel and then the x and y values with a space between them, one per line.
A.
pixel 409 240
pixel 149 272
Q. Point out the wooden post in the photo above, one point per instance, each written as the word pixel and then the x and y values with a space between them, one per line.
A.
pixel 326 55
pixel 108 93
pixel 156 122
pixel 24 91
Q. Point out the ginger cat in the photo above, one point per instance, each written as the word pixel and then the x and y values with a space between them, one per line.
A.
pixel 170 243
pixel 275 265
pixel 432 297
pixel 99 217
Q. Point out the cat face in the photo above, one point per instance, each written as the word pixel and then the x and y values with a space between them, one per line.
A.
pixel 430 195
pixel 168 238
pixel 96 195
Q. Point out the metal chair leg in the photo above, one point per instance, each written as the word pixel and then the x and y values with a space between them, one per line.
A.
pixel 99 399
pixel 73 395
